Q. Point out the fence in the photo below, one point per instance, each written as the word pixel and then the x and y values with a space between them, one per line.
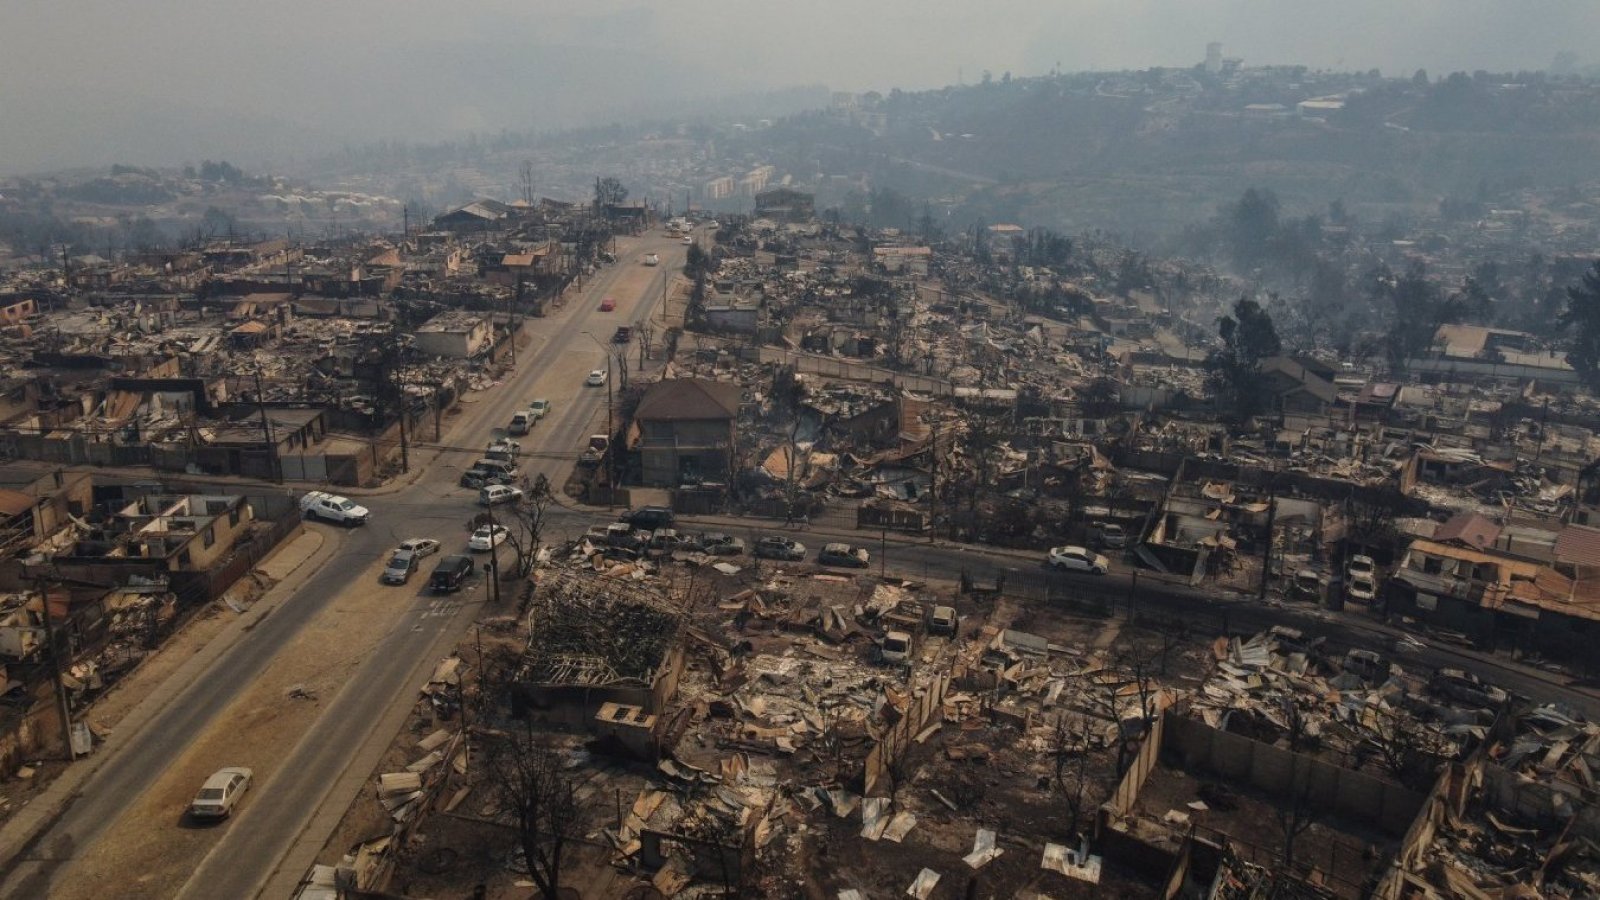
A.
pixel 194 588
pixel 891 748
pixel 1127 794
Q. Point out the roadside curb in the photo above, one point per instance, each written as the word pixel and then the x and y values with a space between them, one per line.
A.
pixel 32 820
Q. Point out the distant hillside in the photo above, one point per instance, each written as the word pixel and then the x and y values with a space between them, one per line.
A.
pixel 1153 150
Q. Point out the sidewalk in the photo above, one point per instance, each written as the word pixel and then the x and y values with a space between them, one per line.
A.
pixel 291 564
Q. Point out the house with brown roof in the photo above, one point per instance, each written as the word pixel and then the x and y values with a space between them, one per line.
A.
pixel 685 431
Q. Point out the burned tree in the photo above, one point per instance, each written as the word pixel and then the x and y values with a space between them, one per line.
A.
pixel 1070 745
pixel 531 786
pixel 528 517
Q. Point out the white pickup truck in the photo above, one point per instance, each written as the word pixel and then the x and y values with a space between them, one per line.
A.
pixel 333 508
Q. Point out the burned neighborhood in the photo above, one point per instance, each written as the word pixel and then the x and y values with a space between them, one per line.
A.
pixel 1180 482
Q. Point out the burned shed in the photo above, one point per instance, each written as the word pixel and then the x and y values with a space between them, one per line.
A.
pixel 595 640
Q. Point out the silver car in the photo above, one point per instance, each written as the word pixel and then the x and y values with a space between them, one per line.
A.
pixel 221 793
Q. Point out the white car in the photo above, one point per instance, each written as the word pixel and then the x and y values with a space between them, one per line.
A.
pixel 1078 559
pixel 333 508
pixel 1361 565
pixel 687 240
pixel 651 259
pixel 539 409
pixel 220 793
pixel 487 537
pixel 713 225
pixel 596 378
pixel 418 547
pixel 1362 589
pixel 496 494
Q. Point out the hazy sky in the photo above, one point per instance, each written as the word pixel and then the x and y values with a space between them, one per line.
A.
pixel 164 81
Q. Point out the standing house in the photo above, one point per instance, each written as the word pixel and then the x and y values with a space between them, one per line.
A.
pixel 686 431
pixel 456 334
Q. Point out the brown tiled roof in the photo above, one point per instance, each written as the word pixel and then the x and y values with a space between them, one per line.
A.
pixel 14 503
pixel 683 399
pixel 1470 529
pixel 1578 545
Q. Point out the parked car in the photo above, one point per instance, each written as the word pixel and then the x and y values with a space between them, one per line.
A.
pixel 400 567
pixel 539 409
pixel 897 646
pixel 668 540
pixel 1109 535
pixel 651 259
pixel 449 574
pixel 503 471
pixel 221 793
pixel 478 478
pixel 1078 559
pixel 503 451
pixel 839 554
pixel 718 544
pixel 496 494
pixel 520 423
pixel 487 537
pixel 333 508
pixel 943 620
pixel 780 548
pixel 622 335
pixel 1361 589
pixel 1309 584
pixel 1367 665
pixel 1362 565
pixel 596 378
pixel 649 518
pixel 1465 687
pixel 608 304
pixel 419 546
pixel 687 240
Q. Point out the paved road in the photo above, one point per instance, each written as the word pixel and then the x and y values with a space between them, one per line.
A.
pixel 249 849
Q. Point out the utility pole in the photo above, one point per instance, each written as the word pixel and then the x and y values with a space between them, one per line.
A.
pixel 42 584
pixel 1266 558
pixel 611 441
pixel 405 450
pixel 266 429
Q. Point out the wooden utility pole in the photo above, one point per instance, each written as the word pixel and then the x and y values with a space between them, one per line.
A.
pixel 266 429
pixel 1266 558
pixel 52 639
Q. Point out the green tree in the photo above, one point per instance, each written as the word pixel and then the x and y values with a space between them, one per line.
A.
pixel 1248 338
pixel 1581 319
pixel 1253 225
pixel 1419 308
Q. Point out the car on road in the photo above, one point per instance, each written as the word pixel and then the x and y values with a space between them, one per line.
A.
pixel 539 409
pixel 713 225
pixel 221 793
pixel 520 422
pixel 333 508
pixel 487 537
pixel 1078 559
pixel 596 378
pixel 419 546
pixel 665 541
pixel 649 518
pixel 719 544
pixel 478 478
pixel 780 548
pixel 496 494
pixel 608 304
pixel 651 259
pixel 840 554
pixel 503 450
pixel 449 574
pixel 622 335
pixel 687 240
pixel 401 565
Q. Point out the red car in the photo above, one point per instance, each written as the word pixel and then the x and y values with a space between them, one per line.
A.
pixel 607 305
